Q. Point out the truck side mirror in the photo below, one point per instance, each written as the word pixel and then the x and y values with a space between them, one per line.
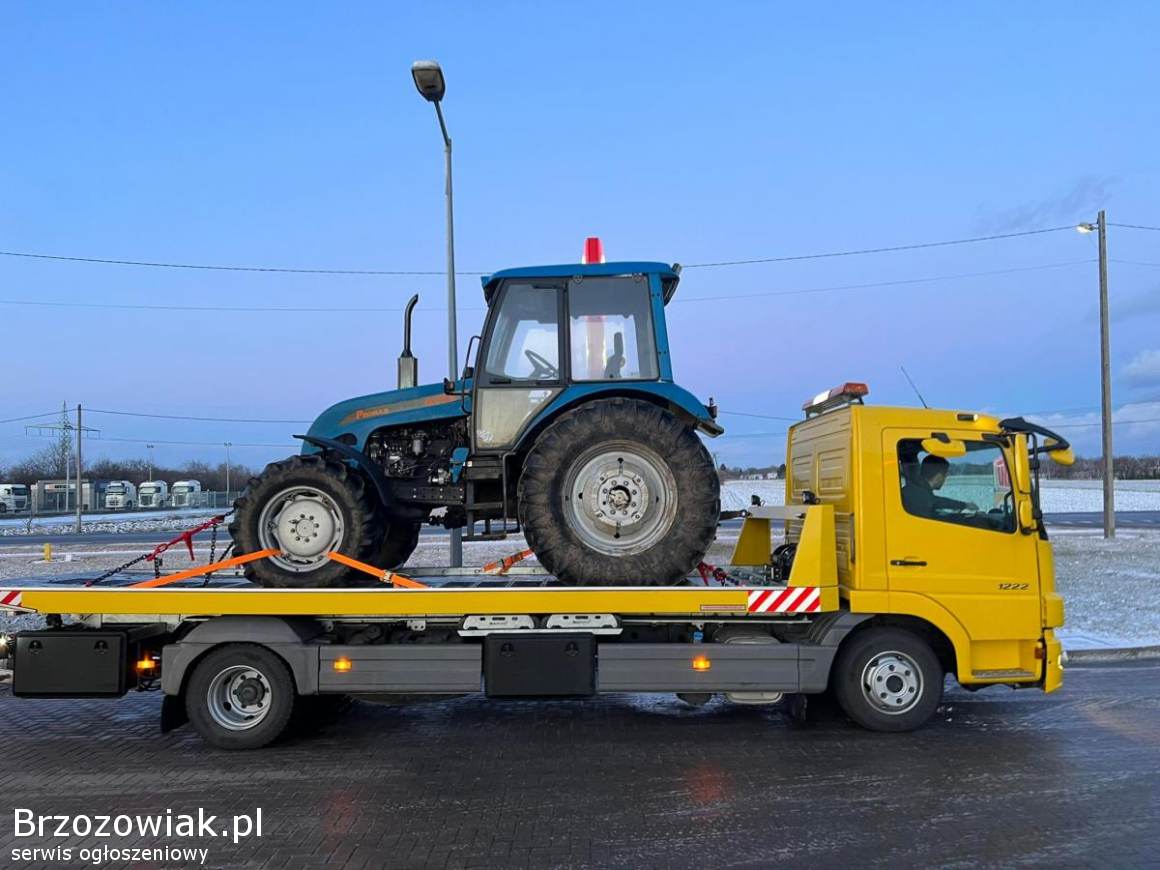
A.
pixel 1066 456
pixel 947 448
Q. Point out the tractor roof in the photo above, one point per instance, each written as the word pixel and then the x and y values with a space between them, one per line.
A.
pixel 666 272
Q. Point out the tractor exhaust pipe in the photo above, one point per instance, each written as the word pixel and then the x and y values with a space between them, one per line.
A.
pixel 408 364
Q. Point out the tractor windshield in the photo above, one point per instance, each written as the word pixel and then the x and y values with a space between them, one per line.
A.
pixel 611 329
pixel 525 341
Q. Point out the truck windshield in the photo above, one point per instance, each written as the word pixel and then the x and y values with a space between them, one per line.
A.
pixel 115 489
pixel 182 489
pixel 610 325
pixel 20 490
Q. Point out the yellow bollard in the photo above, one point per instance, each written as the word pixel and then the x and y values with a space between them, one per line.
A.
pixel 48 552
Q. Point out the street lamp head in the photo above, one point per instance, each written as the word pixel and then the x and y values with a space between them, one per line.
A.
pixel 1085 228
pixel 428 76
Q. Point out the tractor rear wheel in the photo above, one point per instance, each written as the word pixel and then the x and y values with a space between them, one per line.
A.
pixel 619 491
pixel 306 507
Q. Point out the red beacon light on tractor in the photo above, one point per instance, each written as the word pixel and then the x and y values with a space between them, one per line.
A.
pixel 593 251
pixel 841 395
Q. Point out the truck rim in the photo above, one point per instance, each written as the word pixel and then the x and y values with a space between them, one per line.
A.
pixel 239 697
pixel 303 524
pixel 620 498
pixel 892 682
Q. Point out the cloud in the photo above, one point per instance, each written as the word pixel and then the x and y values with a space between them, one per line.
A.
pixel 1144 369
pixel 1078 202
pixel 1135 429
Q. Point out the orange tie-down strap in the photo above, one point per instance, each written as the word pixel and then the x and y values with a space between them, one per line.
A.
pixel 502 566
pixel 203 569
pixel 381 573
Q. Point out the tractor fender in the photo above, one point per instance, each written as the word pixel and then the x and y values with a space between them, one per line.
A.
pixel 669 396
pixel 345 451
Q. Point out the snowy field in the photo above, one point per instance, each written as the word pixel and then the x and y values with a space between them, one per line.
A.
pixel 1058 496
pixel 132 521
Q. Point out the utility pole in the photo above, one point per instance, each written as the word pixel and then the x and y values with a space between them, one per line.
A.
pixel 229 444
pixel 80 470
pixel 1106 382
pixel 149 447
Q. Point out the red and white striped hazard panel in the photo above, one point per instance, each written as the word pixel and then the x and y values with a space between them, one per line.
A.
pixel 10 597
pixel 796 599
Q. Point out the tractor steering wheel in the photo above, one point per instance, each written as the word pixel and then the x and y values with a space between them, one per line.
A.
pixel 543 370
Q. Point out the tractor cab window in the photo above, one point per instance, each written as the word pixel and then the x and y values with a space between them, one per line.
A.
pixel 611 329
pixel 969 490
pixel 525 339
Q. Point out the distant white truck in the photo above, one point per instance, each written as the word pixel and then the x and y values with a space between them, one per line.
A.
pixel 13 498
pixel 153 494
pixel 186 493
pixel 120 495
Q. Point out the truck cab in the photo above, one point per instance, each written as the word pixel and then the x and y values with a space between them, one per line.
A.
pixel 153 494
pixel 186 493
pixel 937 524
pixel 13 497
pixel 120 495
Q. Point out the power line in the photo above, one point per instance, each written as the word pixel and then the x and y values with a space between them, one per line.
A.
pixel 1114 423
pixel 31 417
pixel 886 250
pixel 410 273
pixel 1133 262
pixel 219 268
pixel 1134 227
pixel 760 416
pixel 896 283
pixel 356 310
pixel 183 417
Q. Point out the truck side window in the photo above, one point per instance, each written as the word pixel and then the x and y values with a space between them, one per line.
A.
pixel 611 329
pixel 969 490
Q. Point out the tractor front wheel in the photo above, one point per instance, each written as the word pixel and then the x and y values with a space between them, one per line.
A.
pixel 306 507
pixel 619 491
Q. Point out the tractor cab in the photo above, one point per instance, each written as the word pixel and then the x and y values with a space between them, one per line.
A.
pixel 558 333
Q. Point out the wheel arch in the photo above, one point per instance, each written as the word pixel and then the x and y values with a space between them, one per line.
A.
pixel 937 639
pixel 289 640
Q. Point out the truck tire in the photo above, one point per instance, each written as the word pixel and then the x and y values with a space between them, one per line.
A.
pixel 399 542
pixel 620 492
pixel 336 511
pixel 887 679
pixel 240 696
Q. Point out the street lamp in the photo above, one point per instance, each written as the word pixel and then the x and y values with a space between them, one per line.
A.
pixel 430 84
pixel 1101 226
pixel 149 447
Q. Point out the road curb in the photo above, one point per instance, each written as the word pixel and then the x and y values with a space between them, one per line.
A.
pixel 1112 656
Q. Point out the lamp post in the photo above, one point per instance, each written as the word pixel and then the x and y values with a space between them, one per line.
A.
pixel 149 447
pixel 1101 227
pixel 428 76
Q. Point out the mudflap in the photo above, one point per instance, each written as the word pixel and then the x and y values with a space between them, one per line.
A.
pixel 173 713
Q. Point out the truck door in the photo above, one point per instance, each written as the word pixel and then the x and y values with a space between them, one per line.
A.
pixel 520 365
pixel 952 536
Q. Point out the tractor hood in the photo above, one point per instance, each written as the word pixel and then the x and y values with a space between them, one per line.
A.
pixel 667 273
pixel 362 415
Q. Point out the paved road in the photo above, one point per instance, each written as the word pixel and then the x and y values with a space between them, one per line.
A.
pixel 1000 778
pixel 1124 519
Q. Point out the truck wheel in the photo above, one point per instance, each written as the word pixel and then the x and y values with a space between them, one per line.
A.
pixel 240 696
pixel 306 507
pixel 887 679
pixel 399 542
pixel 619 491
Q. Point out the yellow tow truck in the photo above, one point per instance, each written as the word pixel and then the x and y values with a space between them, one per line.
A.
pixel 914 548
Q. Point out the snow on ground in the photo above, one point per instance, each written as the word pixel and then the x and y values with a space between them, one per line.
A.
pixel 133 521
pixel 1058 496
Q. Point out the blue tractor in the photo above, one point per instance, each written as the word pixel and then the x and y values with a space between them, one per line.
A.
pixel 569 425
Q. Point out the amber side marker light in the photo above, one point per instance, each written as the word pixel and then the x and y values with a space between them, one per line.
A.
pixel 343 664
pixel 701 663
pixel 146 665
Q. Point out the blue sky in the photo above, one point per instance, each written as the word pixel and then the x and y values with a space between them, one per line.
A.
pixel 290 134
